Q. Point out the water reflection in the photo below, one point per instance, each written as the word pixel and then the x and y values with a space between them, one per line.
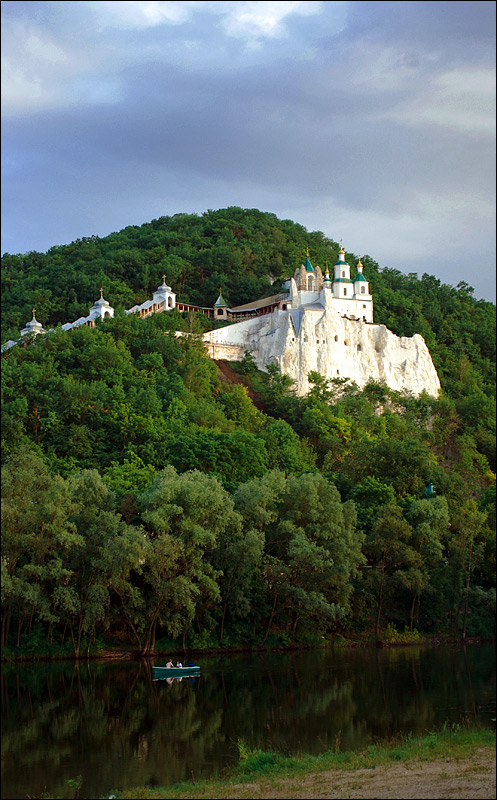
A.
pixel 118 727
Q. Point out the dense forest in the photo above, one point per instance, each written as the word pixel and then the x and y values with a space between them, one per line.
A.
pixel 147 499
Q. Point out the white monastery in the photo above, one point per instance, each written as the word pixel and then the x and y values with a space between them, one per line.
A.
pixel 317 324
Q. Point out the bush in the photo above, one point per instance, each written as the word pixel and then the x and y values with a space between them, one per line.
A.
pixel 392 636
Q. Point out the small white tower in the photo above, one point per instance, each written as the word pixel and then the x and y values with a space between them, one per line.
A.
pixel 342 285
pixel 33 326
pixel 327 284
pixel 362 296
pixel 361 285
pixel 101 309
pixel 164 294
pixel 220 307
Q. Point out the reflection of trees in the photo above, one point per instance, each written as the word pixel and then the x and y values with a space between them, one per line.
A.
pixel 118 728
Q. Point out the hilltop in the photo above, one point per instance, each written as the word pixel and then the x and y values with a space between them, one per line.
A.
pixel 247 253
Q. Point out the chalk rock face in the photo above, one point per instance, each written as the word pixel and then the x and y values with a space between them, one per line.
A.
pixel 317 337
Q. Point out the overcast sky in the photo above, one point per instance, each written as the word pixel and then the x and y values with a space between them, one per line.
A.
pixel 371 121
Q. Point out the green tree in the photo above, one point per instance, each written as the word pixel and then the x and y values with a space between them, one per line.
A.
pixel 390 555
pixel 183 516
pixel 37 536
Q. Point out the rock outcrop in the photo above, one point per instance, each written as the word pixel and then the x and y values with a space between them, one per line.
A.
pixel 315 337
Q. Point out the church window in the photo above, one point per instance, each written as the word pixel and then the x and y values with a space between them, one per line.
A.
pixel 343 274
pixel 338 372
pixel 363 290
pixel 359 347
pixel 364 306
pixel 219 312
pixel 336 338
pixel 310 282
pixel 345 292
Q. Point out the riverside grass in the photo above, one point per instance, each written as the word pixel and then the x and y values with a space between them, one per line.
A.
pixel 452 742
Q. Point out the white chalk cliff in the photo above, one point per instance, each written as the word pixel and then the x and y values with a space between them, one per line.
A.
pixel 312 331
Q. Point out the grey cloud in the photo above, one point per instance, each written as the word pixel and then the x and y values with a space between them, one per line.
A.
pixel 301 124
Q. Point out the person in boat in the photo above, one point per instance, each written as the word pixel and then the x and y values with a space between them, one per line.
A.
pixel 179 664
pixel 169 664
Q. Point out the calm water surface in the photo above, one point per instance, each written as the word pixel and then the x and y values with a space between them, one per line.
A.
pixel 117 728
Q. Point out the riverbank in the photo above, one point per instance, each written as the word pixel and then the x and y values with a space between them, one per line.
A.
pixel 127 652
pixel 451 763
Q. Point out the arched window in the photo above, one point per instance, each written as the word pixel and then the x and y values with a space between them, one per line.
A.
pixel 219 312
pixel 345 292
pixel 336 338
pixel 343 274
pixel 310 283
pixel 363 290
pixel 359 347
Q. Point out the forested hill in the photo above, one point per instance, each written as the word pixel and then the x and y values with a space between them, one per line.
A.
pixel 143 499
pixel 240 251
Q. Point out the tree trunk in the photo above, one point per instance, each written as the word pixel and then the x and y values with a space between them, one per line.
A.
pixel 378 615
pixel 466 594
pixel 411 616
pixel 19 626
pixel 271 617
pixel 294 627
pixel 6 625
pixel 223 619
pixel 152 648
pixel 465 615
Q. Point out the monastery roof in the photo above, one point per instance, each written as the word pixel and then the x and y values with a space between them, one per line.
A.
pixel 263 301
pixel 221 301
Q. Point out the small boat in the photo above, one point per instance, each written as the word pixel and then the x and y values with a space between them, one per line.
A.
pixel 176 672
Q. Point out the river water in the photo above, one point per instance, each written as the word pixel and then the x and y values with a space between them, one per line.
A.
pixel 117 728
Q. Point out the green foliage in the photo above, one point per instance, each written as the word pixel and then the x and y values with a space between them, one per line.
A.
pixel 141 495
pixel 392 636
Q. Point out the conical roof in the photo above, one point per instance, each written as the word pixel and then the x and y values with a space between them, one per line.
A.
pixel 220 300
pixel 307 264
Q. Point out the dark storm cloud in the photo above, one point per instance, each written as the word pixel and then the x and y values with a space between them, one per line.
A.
pixel 385 123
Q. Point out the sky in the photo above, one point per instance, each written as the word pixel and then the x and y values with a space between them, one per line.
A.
pixel 373 122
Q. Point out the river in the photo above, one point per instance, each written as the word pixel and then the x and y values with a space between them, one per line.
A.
pixel 113 725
